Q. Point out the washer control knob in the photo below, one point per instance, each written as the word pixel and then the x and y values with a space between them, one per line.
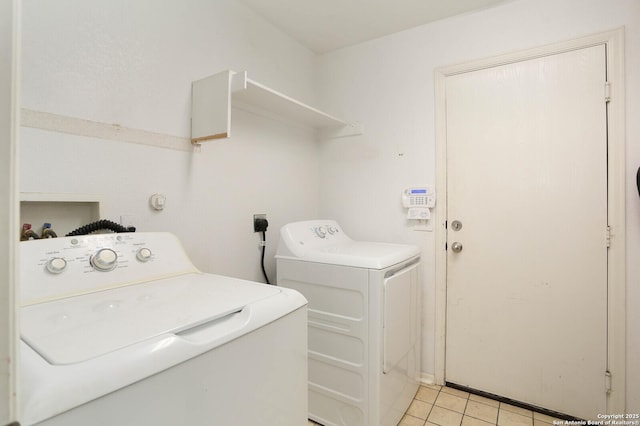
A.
pixel 321 231
pixel 104 260
pixel 56 265
pixel 143 255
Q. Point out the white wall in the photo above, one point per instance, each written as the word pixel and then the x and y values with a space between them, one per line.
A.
pixel 132 63
pixel 388 85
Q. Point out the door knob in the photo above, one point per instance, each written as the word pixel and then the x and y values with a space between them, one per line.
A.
pixel 456 247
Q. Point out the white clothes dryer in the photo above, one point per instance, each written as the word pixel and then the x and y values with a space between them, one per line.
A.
pixel 363 321
pixel 122 329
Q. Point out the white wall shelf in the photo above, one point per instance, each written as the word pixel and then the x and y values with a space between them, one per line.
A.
pixel 213 96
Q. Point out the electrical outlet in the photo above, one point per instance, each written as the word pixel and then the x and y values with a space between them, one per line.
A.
pixel 260 223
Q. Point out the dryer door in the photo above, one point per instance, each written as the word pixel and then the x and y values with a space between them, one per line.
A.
pixel 400 315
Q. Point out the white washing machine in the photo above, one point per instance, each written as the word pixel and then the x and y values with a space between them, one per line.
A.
pixel 122 329
pixel 363 321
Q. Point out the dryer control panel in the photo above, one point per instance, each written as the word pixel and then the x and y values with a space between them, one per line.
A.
pixel 300 237
pixel 327 231
pixel 324 241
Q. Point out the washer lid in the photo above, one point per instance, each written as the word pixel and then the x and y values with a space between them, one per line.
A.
pixel 360 254
pixel 80 328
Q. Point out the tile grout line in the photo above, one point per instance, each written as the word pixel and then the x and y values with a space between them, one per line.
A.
pixel 500 408
pixel 439 390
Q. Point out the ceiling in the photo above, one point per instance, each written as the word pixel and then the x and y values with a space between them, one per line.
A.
pixel 325 25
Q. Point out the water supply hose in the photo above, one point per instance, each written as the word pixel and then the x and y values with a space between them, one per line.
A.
pixel 47 232
pixel 28 233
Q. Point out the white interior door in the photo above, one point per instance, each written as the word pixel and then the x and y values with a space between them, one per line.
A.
pixel 527 180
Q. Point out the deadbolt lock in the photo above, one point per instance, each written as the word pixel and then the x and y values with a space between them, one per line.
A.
pixel 456 225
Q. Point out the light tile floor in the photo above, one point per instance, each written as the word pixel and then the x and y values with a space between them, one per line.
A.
pixel 443 406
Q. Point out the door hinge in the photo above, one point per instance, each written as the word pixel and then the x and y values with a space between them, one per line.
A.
pixel 607 92
pixel 608 236
pixel 607 381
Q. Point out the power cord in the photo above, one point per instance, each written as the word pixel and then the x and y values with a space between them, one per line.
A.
pixel 263 243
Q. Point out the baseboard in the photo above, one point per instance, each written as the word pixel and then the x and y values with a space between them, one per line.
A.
pixel 428 379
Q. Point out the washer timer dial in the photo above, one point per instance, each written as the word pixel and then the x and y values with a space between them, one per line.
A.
pixel 56 265
pixel 143 255
pixel 104 260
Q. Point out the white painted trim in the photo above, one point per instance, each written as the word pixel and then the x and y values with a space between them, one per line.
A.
pixel 9 214
pixel 614 41
pixel 440 231
pixel 95 129
pixel 15 205
pixel 427 379
pixel 617 331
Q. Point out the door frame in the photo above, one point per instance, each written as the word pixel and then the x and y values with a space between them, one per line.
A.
pixel 9 206
pixel 616 255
